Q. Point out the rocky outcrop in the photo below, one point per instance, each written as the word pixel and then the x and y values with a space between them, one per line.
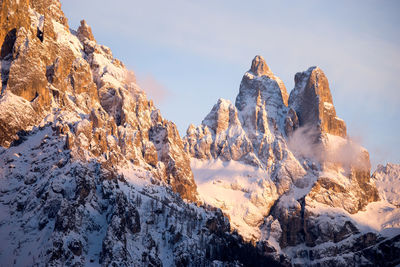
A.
pixel 220 136
pixel 312 100
pixel 41 63
pixel 85 32
pixel 248 131
pixel 260 86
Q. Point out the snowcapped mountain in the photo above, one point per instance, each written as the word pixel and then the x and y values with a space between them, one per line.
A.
pixel 92 174
pixel 285 173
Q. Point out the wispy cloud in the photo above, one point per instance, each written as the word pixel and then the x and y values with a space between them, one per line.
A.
pixel 346 152
pixel 153 88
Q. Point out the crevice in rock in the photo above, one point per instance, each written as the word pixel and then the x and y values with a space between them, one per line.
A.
pixel 8 44
pixel 39 34
pixel 72 81
pixel 50 73
pixel 6 57
pixel 36 96
pixel 40 29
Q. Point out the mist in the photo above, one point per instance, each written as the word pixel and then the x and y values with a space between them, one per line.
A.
pixel 154 89
pixel 333 149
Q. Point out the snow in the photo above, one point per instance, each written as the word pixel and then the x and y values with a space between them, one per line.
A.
pixel 15 104
pixel 37 20
pixel 163 214
pixel 328 105
pixel 243 192
pixel 67 39
pixel 387 180
pixel 379 217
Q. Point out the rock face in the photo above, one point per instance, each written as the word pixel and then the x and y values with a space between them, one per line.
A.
pixel 306 166
pixel 312 100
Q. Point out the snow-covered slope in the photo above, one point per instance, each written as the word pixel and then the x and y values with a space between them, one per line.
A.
pixel 388 183
pixel 58 210
pixel 243 192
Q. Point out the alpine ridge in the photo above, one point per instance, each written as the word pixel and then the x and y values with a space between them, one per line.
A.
pixel 92 174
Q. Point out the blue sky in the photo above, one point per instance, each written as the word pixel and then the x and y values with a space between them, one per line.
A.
pixel 187 54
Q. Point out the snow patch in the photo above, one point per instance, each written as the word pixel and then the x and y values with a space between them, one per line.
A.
pixel 244 193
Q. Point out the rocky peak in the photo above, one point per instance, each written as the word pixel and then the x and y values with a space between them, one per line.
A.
pixel 260 86
pixel 84 31
pixel 312 100
pixel 222 115
pixel 259 67
pixel 30 49
pixel 17 14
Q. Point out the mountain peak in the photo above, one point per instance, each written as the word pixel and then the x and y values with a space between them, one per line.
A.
pixel 312 100
pixel 259 67
pixel 84 31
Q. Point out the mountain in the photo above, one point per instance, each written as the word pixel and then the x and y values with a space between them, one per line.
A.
pixel 90 171
pixel 288 177
pixel 92 174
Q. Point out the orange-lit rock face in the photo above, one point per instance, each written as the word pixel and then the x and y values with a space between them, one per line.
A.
pixel 85 32
pixel 33 47
pixel 100 154
pixel 312 100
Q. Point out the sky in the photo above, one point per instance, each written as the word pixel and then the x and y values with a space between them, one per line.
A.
pixel 188 54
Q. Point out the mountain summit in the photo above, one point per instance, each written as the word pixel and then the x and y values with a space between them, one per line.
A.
pixel 259 67
pixel 312 100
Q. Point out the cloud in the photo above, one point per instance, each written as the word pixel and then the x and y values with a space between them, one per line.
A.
pixel 344 151
pixel 153 88
pixel 130 77
pixel 303 143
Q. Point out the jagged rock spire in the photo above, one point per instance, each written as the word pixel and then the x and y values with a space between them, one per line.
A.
pixel 260 84
pixel 259 67
pixel 84 31
pixel 312 100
